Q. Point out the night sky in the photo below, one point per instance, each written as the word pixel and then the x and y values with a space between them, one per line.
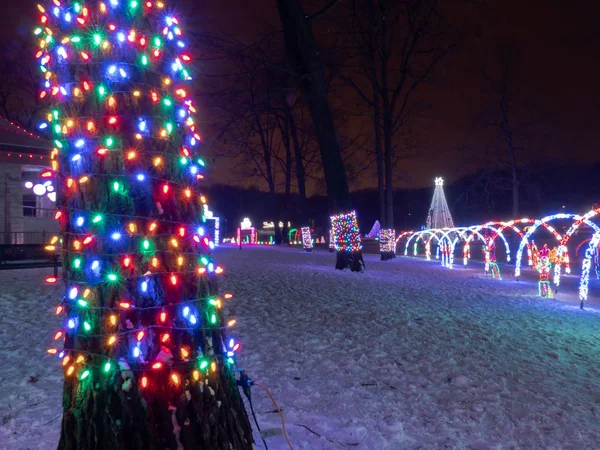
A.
pixel 560 46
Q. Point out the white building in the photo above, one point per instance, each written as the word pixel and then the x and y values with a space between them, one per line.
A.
pixel 27 218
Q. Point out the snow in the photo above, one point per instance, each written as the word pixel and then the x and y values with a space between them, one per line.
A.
pixel 406 355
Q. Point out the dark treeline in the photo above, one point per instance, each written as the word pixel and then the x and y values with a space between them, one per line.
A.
pixel 470 199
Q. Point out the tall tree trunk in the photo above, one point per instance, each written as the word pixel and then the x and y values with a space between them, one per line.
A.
pixel 515 190
pixel 377 119
pixel 299 163
pixel 288 161
pixel 303 53
pixel 388 119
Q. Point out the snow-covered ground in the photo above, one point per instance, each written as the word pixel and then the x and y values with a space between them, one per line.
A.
pixel 407 355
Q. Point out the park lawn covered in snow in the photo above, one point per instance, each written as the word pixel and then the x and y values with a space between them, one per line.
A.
pixel 407 355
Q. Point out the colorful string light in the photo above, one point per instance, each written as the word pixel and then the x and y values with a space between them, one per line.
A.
pixel 307 241
pixel 141 296
pixel 387 244
pixel 346 235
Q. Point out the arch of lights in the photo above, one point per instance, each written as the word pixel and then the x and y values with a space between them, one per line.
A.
pixel 586 266
pixel 562 242
pixel 447 239
pixel 562 248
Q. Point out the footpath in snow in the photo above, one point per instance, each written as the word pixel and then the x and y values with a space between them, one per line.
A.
pixel 408 355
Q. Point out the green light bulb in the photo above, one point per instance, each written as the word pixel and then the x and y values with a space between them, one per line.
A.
pixel 87 326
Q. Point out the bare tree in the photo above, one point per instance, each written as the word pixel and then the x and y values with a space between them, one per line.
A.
pixel 304 56
pixel 507 117
pixel 395 47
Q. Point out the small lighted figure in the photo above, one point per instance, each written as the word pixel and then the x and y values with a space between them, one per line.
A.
pixel 489 253
pixel 544 266
pixel 246 224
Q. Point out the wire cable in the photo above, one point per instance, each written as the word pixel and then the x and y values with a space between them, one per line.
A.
pixel 256 422
pixel 279 411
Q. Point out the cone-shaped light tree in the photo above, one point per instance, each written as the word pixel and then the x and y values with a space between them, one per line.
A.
pixel 143 345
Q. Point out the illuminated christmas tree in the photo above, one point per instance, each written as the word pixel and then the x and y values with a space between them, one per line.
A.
pixel 439 214
pixel 143 346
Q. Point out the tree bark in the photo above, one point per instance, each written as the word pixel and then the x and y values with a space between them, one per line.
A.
pixel 299 163
pixel 304 55
pixel 377 119
pixel 388 119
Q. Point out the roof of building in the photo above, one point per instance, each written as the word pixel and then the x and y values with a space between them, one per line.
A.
pixel 13 137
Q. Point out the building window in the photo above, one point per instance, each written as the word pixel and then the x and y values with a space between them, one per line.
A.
pixel 30 205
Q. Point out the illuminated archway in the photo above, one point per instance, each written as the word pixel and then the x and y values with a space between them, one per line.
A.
pixel 543 222
pixel 417 235
pixel 562 248
pixel 586 267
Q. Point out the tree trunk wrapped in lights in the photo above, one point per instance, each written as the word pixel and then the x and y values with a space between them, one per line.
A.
pixel 144 349
pixel 387 244
pixel 307 242
pixel 347 242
